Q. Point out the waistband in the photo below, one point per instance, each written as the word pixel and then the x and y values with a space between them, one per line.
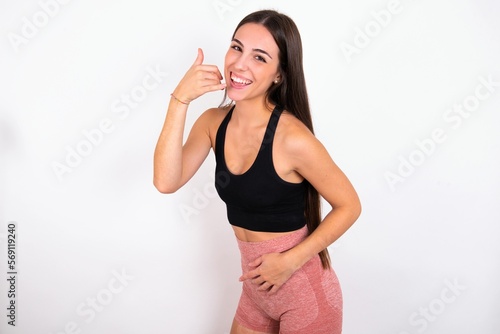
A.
pixel 252 250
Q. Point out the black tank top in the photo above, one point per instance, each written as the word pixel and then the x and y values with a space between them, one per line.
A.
pixel 259 199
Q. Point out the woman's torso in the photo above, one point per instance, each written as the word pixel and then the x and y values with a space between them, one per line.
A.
pixel 241 147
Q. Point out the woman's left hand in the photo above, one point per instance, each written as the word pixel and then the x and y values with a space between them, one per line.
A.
pixel 271 272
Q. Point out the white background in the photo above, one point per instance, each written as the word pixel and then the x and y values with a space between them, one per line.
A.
pixel 422 258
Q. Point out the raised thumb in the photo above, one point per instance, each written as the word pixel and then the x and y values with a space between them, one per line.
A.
pixel 199 58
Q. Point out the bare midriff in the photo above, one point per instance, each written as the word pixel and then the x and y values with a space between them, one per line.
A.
pixel 254 236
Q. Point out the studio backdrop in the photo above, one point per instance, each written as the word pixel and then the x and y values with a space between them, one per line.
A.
pixel 405 95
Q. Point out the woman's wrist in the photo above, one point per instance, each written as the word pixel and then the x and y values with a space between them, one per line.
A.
pixel 179 99
pixel 295 258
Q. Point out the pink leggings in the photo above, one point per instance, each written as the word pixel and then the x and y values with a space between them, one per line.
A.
pixel 309 302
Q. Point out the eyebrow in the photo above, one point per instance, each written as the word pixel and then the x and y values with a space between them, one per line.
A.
pixel 257 50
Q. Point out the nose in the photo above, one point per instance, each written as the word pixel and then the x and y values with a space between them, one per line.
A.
pixel 241 63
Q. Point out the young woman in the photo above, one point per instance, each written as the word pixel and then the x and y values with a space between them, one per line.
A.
pixel 270 172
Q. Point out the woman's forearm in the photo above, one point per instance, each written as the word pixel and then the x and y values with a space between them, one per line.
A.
pixel 333 226
pixel 168 152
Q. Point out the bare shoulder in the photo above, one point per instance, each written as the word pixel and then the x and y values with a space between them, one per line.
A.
pixel 293 136
pixel 211 119
pixel 213 114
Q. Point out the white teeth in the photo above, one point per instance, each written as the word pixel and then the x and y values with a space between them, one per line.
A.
pixel 240 81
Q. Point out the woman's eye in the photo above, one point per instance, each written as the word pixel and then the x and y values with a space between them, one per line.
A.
pixel 236 48
pixel 259 58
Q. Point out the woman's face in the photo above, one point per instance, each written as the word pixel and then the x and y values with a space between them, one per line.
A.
pixel 251 63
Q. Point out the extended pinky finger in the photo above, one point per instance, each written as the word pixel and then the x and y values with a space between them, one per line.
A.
pixel 213 88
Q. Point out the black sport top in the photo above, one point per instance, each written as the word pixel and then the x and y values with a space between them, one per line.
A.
pixel 259 200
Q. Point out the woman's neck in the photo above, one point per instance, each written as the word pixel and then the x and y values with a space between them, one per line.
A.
pixel 251 113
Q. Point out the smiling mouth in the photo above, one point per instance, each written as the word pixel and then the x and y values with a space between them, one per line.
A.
pixel 240 81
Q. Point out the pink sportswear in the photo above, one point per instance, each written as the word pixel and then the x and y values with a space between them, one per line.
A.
pixel 310 302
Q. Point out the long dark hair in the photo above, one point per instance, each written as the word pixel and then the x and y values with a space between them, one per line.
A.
pixel 290 92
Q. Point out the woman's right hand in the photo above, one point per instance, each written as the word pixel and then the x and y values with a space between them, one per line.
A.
pixel 198 80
